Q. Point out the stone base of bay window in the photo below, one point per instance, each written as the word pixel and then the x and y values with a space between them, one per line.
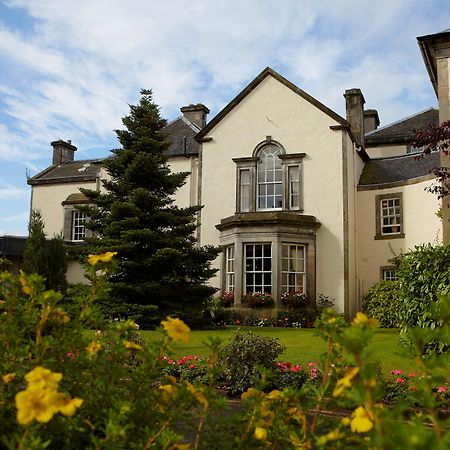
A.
pixel 261 243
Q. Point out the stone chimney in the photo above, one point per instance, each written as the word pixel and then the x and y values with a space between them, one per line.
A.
pixel 196 114
pixel 354 106
pixel 62 152
pixel 371 120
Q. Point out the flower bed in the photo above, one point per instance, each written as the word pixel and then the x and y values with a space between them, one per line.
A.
pixel 294 300
pixel 258 300
pixel 227 299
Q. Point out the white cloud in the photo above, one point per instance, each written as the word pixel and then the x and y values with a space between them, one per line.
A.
pixel 9 191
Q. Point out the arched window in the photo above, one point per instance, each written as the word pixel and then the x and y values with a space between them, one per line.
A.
pixel 269 178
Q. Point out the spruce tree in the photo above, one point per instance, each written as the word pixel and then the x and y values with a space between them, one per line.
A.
pixel 34 255
pixel 158 261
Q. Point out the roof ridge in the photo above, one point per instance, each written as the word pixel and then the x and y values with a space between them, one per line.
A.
pixel 370 133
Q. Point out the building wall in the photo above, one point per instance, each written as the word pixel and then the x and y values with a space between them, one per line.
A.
pixel 387 151
pixel 188 193
pixel 274 110
pixel 421 225
pixel 48 198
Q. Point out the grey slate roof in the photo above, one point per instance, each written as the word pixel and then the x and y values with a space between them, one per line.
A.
pixel 70 171
pixel 397 169
pixel 403 130
pixel 181 133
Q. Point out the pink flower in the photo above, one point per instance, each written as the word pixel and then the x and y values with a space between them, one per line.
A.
pixel 312 364
pixel 411 374
pixel 191 366
pixel 70 355
pixel 396 372
pixel 442 389
pixel 400 380
pixel 313 373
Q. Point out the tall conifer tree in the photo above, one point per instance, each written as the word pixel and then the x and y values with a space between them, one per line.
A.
pixel 158 261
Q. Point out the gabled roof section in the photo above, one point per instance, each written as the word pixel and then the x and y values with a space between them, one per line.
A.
pixel 264 74
pixel 402 131
pixel 397 171
pixel 181 135
pixel 68 172
pixel 430 46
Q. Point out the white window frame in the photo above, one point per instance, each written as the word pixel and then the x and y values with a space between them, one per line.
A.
pixel 78 228
pixel 293 268
pixel 269 178
pixel 389 274
pixel 251 268
pixel 390 216
pixel 230 275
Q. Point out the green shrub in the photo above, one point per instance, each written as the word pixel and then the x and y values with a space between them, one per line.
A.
pixel 382 302
pixel 424 274
pixel 242 356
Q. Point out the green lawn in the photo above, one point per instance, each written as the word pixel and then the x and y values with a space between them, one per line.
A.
pixel 303 345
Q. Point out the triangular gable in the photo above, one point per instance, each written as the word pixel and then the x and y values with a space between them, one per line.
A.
pixel 265 73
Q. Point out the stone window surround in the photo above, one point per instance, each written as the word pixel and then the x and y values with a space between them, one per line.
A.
pixel 70 205
pixel 250 163
pixel 378 234
pixel 275 228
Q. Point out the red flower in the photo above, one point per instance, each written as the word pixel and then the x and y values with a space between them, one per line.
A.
pixel 400 380
pixel 191 366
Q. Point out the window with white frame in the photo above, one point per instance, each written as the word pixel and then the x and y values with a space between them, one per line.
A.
pixel 78 228
pixel 244 190
pixel 293 175
pixel 269 178
pixel 293 268
pixel 229 269
pixel 389 274
pixel 390 215
pixel 258 268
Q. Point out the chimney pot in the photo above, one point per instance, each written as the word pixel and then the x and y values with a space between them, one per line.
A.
pixel 371 120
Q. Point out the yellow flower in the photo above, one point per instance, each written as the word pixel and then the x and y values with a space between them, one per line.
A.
pixel 176 329
pixel 362 420
pixel 331 436
pixel 8 378
pixel 44 378
pixel 199 397
pixel 260 433
pixel 103 257
pixel 93 348
pixel 169 388
pixel 132 345
pixel 345 382
pixel 36 403
pixel 250 393
pixel 67 405
pixel 25 282
pixel 273 395
pixel 362 320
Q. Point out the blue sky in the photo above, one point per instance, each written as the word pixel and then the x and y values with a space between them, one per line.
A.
pixel 68 69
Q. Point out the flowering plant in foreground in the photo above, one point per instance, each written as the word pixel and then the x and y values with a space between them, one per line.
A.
pixel 257 300
pixel 295 299
pixel 61 384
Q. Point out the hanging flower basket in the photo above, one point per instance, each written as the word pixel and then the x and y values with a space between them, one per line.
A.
pixel 227 299
pixel 294 300
pixel 258 300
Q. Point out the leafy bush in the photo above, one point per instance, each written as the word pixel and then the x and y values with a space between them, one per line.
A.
pixel 242 356
pixel 382 302
pixel 424 274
